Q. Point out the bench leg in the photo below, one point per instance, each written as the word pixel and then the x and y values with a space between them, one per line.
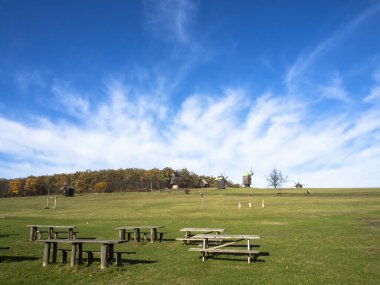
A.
pixel 73 254
pixel 145 237
pixel 103 256
pixel 33 233
pixel 64 256
pixel 161 236
pixel 54 255
pixel 90 257
pixel 122 234
pixel 118 259
pixel 45 261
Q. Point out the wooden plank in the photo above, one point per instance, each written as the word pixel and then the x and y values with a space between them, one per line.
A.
pixel 202 230
pixel 226 236
pixel 224 245
pixel 227 251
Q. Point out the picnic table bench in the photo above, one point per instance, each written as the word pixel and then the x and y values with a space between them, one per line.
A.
pixel 36 232
pixel 106 250
pixel 222 249
pixel 190 236
pixel 136 230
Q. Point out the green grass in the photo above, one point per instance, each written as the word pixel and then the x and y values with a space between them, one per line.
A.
pixel 329 237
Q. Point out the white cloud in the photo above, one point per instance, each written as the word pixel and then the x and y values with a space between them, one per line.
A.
pixel 229 134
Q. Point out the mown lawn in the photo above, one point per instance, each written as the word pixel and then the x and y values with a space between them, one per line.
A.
pixel 329 237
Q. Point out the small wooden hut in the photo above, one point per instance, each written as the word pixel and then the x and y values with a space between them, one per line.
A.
pixel 203 183
pixel 68 191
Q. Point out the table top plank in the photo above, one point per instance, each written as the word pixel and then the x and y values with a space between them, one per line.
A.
pixel 51 226
pixel 202 230
pixel 226 236
pixel 139 227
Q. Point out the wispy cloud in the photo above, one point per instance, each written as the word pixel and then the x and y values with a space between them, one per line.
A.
pixel 70 101
pixel 170 19
pixel 229 134
pixel 308 59
pixel 335 91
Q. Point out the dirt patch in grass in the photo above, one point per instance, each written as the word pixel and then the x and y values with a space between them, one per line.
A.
pixel 373 222
pixel 375 251
pixel 273 223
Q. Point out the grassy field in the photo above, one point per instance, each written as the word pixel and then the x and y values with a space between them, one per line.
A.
pixel 329 237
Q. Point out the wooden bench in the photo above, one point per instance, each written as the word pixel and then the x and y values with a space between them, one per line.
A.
pixel 40 232
pixel 205 251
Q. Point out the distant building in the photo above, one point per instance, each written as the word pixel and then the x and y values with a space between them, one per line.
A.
pixel 203 183
pixel 175 178
pixel 68 191
pixel 221 182
pixel 247 179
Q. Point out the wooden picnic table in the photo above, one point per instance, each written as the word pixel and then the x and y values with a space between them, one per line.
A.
pixel 136 230
pixel 50 231
pixel 188 231
pixel 106 250
pixel 234 238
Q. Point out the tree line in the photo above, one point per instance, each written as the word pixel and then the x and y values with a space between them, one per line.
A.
pixel 131 179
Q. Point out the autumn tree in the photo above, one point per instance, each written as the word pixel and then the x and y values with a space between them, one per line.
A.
pixel 30 186
pixel 16 187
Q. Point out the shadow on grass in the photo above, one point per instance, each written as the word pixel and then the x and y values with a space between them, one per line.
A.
pixel 132 261
pixel 217 256
pixel 16 258
pixel 168 239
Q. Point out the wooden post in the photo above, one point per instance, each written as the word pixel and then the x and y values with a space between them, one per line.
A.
pixel 90 257
pixel 45 261
pixel 64 256
pixel 50 232
pixel 71 233
pixel 73 254
pixel 103 256
pixel 54 256
pixel 119 261
pixel 110 254
pixel 153 234
pixel 249 248
pixel 121 234
pixel 137 234
pixel 33 233
pixel 80 253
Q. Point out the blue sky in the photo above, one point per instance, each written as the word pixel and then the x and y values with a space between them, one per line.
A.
pixel 213 86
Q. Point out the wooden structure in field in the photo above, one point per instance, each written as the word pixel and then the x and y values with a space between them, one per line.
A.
pixel 247 178
pixel 221 182
pixel 203 183
pixel 68 191
pixel 175 179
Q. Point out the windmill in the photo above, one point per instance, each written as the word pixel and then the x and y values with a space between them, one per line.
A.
pixel 221 181
pixel 247 178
